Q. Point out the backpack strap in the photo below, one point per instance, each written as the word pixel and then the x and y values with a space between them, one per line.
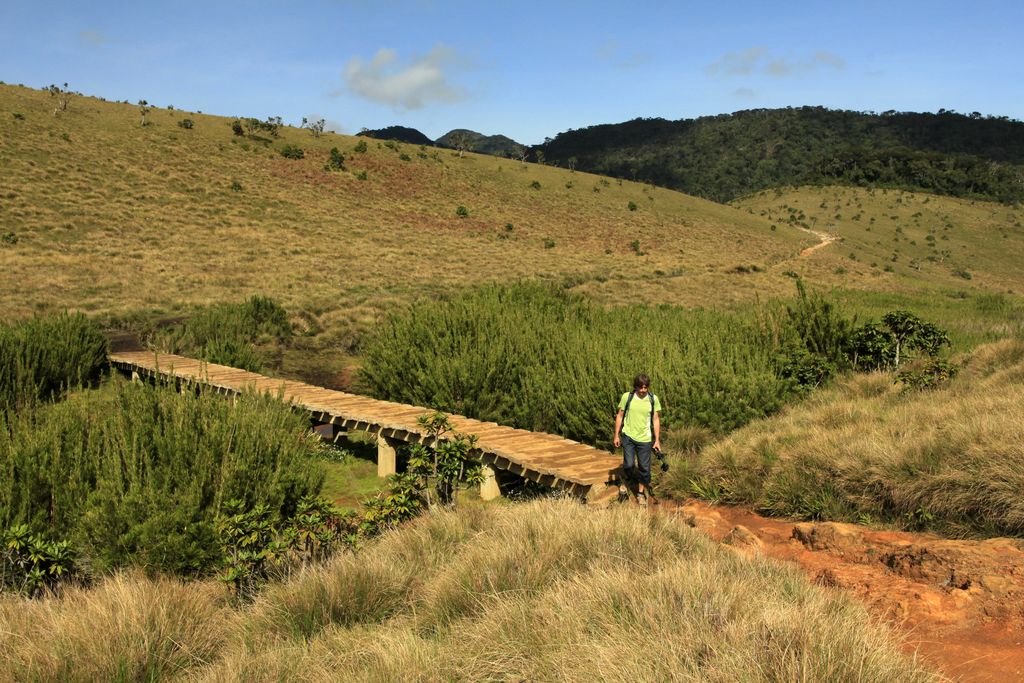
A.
pixel 629 400
pixel 651 396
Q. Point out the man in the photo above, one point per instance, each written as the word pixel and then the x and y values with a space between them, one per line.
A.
pixel 638 431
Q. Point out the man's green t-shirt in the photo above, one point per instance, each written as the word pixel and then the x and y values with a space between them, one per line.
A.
pixel 637 422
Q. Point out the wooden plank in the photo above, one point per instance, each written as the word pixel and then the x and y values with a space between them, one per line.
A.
pixel 547 458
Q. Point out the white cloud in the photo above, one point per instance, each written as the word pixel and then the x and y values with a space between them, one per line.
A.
pixel 404 86
pixel 758 60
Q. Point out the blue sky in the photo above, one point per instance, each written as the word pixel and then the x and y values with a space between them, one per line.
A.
pixel 524 69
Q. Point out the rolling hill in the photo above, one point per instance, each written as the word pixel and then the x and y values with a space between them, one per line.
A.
pixel 730 155
pixel 134 223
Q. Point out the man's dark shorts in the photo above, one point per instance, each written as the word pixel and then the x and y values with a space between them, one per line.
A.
pixel 638 452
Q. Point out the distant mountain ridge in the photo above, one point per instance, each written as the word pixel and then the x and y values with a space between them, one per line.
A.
pixel 496 145
pixel 727 156
pixel 399 133
pixel 458 138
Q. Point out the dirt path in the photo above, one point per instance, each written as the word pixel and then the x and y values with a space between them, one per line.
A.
pixel 960 604
pixel 825 237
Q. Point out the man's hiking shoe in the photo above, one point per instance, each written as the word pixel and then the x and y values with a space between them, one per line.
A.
pixel 641 500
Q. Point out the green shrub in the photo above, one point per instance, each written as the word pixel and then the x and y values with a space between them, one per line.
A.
pixel 31 565
pixel 135 474
pixel 292 152
pixel 928 374
pixel 336 161
pixel 42 357
pixel 886 345
pixel 227 333
pixel 536 357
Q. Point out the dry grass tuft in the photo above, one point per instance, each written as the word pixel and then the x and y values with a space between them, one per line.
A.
pixel 547 591
pixel 951 459
pixel 129 628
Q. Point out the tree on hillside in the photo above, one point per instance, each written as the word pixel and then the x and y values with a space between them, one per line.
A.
pixel 461 142
pixel 315 127
pixel 877 346
pixel 143 110
pixel 520 152
pixel 62 94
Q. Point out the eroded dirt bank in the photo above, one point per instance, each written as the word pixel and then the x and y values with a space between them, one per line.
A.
pixel 960 603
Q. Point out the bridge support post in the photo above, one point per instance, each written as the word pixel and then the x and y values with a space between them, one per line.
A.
pixel 489 489
pixel 387 462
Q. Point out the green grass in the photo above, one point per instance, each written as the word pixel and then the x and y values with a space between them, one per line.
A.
pixel 349 483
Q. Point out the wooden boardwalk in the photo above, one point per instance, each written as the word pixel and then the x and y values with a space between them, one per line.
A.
pixel 548 459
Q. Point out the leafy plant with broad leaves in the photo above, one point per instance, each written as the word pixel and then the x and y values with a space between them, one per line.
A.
pixel 255 543
pixel 443 467
pixel 32 565
pixel 888 345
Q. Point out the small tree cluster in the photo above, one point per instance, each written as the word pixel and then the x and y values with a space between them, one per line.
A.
pixel 271 126
pixel 315 127
pixel 888 345
pixel 144 109
pixel 63 96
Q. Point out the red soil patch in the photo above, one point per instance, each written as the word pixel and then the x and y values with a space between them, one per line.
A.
pixel 960 604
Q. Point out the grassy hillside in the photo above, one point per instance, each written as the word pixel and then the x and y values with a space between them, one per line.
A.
pixel 136 223
pixel 950 459
pixel 544 592
pixel 110 217
pixel 956 261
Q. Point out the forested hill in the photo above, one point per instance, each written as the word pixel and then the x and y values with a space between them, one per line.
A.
pixel 731 155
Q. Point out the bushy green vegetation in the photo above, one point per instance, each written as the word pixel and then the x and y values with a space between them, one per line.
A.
pixel 42 357
pixel 135 474
pixel 227 333
pixel 535 357
pixel 868 449
pixel 546 591
pixel 731 155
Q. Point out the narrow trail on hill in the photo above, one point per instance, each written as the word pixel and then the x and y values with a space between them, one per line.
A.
pixel 825 237
pixel 958 603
